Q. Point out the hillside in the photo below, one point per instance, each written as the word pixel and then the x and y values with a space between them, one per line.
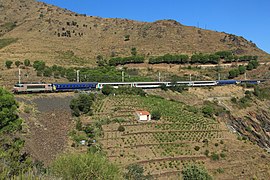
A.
pixel 34 30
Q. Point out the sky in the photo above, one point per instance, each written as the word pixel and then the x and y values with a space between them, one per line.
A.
pixel 247 18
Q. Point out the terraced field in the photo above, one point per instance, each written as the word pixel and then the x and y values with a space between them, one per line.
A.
pixel 180 137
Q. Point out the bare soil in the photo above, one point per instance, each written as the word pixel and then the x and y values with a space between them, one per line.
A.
pixel 46 125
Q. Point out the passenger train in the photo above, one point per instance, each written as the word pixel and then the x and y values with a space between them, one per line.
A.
pixel 86 86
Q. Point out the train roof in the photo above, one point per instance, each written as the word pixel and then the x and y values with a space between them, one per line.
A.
pixel 75 83
pixel 32 83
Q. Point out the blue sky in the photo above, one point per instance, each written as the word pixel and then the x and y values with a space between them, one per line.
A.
pixel 247 18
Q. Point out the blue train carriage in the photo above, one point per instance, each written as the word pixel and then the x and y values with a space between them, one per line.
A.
pixel 76 86
pixel 255 82
pixel 227 82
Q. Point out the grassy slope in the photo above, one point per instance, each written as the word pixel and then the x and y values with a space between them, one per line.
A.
pixel 38 26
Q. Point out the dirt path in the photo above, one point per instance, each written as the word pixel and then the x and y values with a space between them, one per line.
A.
pixel 48 126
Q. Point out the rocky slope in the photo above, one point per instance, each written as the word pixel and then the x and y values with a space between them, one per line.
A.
pixel 40 31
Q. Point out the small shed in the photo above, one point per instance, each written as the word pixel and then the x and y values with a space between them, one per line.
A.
pixel 143 115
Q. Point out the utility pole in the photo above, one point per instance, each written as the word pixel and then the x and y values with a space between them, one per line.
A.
pixel 219 76
pixel 19 76
pixel 123 76
pixel 78 75
pixel 189 77
pixel 158 76
pixel 245 75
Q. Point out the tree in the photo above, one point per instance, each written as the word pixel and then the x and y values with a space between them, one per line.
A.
pixel 39 65
pixel 133 51
pixel 208 111
pixel 242 69
pixel 193 172
pixel 250 66
pixel 17 63
pixel 100 60
pixel 121 128
pixel 47 72
pixel 8 64
pixel 9 120
pixel 136 172
pixel 27 62
pixel 233 73
pixel 81 104
pixel 107 89
pixel 84 166
pixel 156 115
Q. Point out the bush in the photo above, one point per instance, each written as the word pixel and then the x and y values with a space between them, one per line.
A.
pixel 9 120
pixel 84 166
pixel 27 62
pixel 234 100
pixel 233 73
pixel 222 155
pixel 39 65
pixel 8 64
pixel 126 60
pixel 107 89
pixel 81 104
pixel 242 69
pixel 121 128
pixel 136 172
pixel 197 148
pixel 17 63
pixel 207 111
pixel 169 59
pixel 206 152
pixel 194 172
pixel 155 115
pixel 215 157
pixel 130 91
pixel 47 72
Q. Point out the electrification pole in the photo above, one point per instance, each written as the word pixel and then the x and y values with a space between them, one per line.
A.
pixel 123 76
pixel 19 76
pixel 78 75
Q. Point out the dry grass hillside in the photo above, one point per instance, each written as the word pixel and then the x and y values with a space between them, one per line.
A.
pixel 34 30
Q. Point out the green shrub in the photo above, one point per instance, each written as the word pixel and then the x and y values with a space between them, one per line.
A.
pixel 17 63
pixel 9 120
pixel 81 104
pixel 208 111
pixel 134 172
pixel 206 152
pixel 121 128
pixel 197 148
pixel 194 172
pixel 155 115
pixel 107 89
pixel 215 157
pixel 8 64
pixel 222 155
pixel 234 100
pixel 220 170
pixel 84 166
pixel 39 65
pixel 27 62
